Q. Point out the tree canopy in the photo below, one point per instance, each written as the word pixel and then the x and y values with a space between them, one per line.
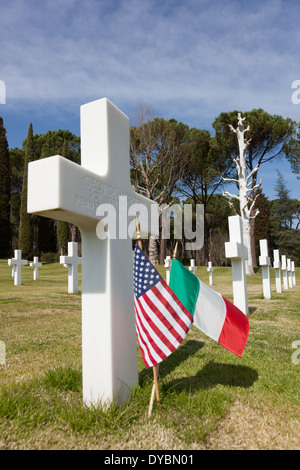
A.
pixel 158 157
pixel 269 136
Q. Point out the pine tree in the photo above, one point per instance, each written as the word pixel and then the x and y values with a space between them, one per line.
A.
pixel 5 194
pixel 283 212
pixel 26 223
pixel 283 206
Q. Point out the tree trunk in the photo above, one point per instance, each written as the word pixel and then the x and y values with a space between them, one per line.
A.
pixel 254 260
pixel 247 243
pixel 163 245
pixel 153 256
pixel 73 230
pixel 206 241
pixel 243 183
pixel 243 196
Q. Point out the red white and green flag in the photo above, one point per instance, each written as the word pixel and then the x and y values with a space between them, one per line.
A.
pixel 214 315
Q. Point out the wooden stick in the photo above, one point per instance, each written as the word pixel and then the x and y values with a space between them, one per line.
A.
pixel 175 250
pixel 155 390
pixel 155 375
pixel 138 233
pixel 151 401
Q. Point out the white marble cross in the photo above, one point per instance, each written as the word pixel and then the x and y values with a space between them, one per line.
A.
pixel 168 265
pixel 293 273
pixel 35 265
pixel 192 266
pixel 210 271
pixel 284 272
pixel 12 269
pixel 17 262
pixel 289 270
pixel 264 262
pixel 276 265
pixel 238 253
pixel 63 190
pixel 2 352
pixel 72 261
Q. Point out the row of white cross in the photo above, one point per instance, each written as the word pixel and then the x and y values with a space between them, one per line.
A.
pixel 72 261
pixel 238 253
pixel 286 265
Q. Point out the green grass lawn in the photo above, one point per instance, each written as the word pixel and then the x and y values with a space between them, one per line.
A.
pixel 210 399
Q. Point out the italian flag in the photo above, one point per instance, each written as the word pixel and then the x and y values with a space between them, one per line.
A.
pixel 212 313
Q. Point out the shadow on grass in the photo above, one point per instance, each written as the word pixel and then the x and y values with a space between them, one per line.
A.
pixel 252 310
pixel 10 299
pixel 213 374
pixel 185 351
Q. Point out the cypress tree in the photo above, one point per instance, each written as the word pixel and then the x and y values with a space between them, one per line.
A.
pixel 5 194
pixel 26 223
pixel 262 221
pixel 62 236
pixel 47 239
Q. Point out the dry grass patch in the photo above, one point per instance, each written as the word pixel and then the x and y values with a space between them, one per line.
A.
pixel 259 426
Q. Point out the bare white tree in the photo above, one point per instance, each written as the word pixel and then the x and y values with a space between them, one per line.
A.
pixel 246 187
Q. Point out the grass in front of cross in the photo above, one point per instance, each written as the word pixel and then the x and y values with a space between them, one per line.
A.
pixel 209 398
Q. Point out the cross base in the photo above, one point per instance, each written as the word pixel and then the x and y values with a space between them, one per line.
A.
pixel 109 347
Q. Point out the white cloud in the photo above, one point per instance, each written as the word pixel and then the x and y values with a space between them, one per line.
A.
pixel 185 57
pixel 189 59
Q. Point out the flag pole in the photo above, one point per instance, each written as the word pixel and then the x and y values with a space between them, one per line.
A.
pixel 155 389
pixel 175 251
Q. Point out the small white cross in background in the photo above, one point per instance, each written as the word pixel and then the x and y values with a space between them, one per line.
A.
pixel 36 265
pixel 284 271
pixel 72 261
pixel 276 265
pixel 264 262
pixel 192 266
pixel 17 262
pixel 293 273
pixel 210 271
pixel 289 270
pixel 168 265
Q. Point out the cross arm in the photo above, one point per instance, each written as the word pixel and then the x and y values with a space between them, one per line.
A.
pixel 264 260
pixel 69 260
pixel 236 250
pixel 57 189
pixel 63 190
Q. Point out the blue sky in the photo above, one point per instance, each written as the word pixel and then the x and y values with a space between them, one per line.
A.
pixel 188 60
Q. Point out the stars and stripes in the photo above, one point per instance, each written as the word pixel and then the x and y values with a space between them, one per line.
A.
pixel 162 321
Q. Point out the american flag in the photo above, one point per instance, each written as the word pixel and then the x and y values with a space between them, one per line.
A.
pixel 162 322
